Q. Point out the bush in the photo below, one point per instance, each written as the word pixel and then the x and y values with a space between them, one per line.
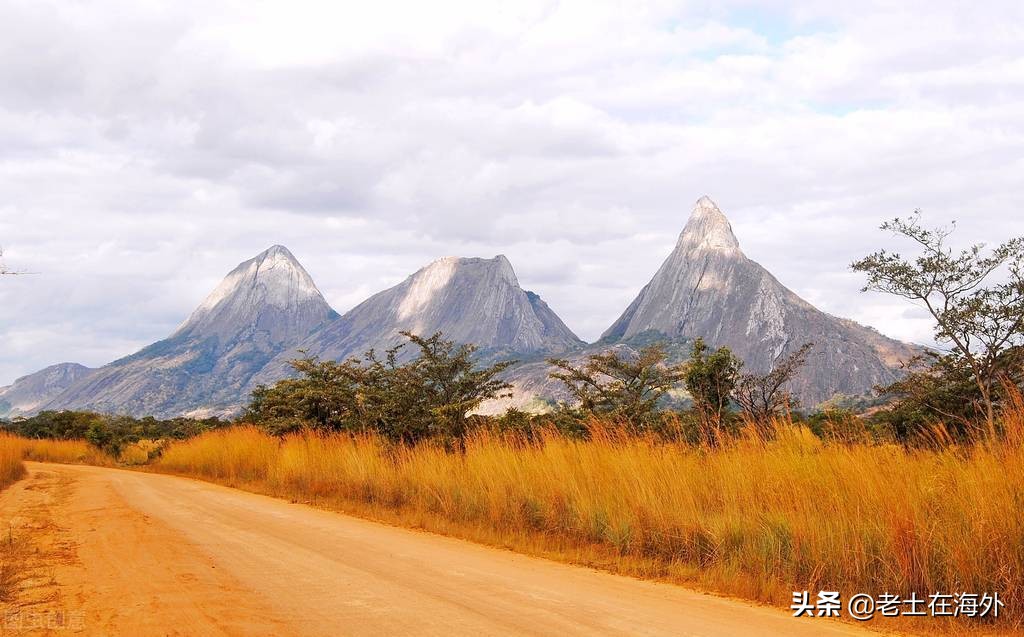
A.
pixel 110 434
pixel 430 396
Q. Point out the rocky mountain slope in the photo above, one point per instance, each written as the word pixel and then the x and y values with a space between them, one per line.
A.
pixel 708 288
pixel 27 393
pixel 264 306
pixel 469 300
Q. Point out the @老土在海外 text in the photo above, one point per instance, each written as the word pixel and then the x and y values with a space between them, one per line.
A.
pixel 863 607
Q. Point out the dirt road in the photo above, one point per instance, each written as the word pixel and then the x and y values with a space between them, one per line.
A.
pixel 125 553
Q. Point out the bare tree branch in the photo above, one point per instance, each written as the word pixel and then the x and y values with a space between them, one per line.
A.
pixel 762 396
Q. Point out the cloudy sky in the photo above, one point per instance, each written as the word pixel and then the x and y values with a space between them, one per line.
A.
pixel 146 148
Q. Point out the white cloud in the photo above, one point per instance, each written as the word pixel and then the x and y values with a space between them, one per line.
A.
pixel 145 149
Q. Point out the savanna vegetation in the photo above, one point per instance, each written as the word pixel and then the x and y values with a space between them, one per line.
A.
pixel 741 492
pixel 15 449
pixel 747 517
pixel 111 435
pixel 976 299
pixel 430 396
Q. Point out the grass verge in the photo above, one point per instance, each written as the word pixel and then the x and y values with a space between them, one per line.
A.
pixel 12 468
pixel 756 520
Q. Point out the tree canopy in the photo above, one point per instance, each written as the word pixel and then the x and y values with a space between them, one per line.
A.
pixel 711 380
pixel 761 397
pixel 626 388
pixel 976 299
pixel 431 395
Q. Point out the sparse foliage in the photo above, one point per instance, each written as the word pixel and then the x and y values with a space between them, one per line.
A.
pixel 450 383
pixel 979 320
pixel 937 399
pixel 711 379
pixel 761 397
pixel 324 396
pixel 625 388
pixel 430 396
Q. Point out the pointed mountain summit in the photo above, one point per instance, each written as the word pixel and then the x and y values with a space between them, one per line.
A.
pixel 708 229
pixel 468 300
pixel 27 393
pixel 271 292
pixel 708 288
pixel 262 307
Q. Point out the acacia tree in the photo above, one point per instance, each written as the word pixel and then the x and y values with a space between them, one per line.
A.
pixel 624 388
pixel 711 380
pixel 450 385
pixel 763 396
pixel 431 395
pixel 934 388
pixel 324 395
pixel 979 320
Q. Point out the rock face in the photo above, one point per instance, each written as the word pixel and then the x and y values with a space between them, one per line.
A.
pixel 469 300
pixel 263 307
pixel 708 288
pixel 27 393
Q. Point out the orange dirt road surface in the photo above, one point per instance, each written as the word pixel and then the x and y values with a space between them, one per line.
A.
pixel 120 552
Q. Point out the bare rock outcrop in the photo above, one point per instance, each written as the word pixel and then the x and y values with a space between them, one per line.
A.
pixel 468 300
pixel 264 306
pixel 708 288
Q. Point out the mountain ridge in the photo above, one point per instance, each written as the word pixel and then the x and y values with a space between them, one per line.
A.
pixel 467 299
pixel 268 308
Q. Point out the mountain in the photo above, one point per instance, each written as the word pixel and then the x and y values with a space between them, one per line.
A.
pixel 268 308
pixel 708 288
pixel 29 392
pixel 469 300
pixel 264 306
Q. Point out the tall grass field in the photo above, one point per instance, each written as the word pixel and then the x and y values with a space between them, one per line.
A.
pixel 751 518
pixel 754 519
pixel 11 453
pixel 13 450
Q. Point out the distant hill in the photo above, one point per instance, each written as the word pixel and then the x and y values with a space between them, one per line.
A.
pixel 27 393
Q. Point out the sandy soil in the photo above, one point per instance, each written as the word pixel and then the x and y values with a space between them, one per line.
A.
pixel 124 553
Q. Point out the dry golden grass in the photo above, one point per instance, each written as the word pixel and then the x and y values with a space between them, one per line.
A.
pixel 12 469
pixel 139 453
pixel 12 564
pixel 11 453
pixel 754 519
pixel 65 451
pixel 240 454
pixel 14 449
